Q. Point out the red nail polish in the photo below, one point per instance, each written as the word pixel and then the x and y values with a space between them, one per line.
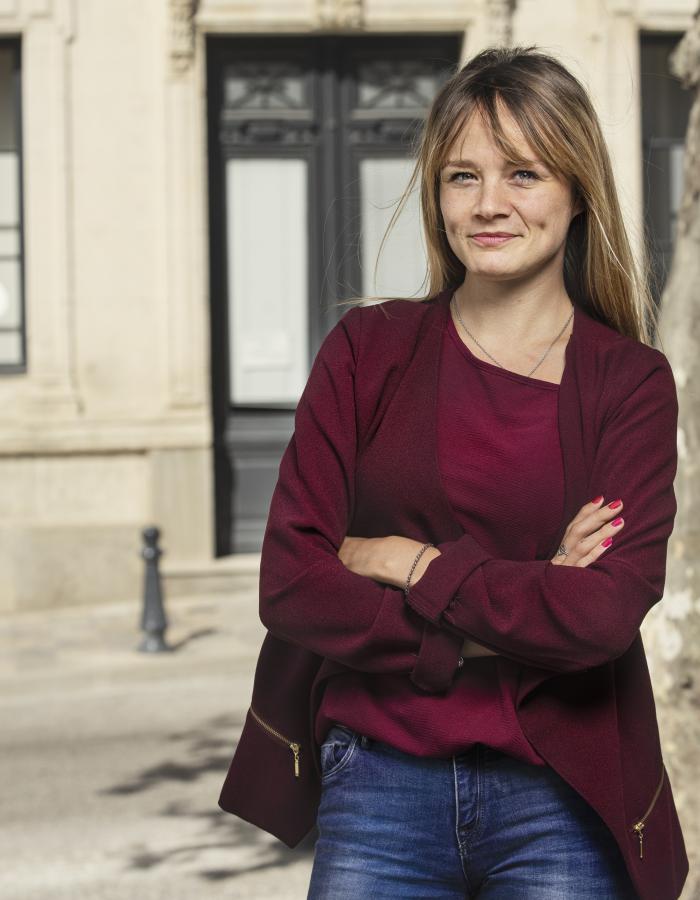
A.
pixel 617 521
pixel 606 542
pixel 597 499
pixel 614 504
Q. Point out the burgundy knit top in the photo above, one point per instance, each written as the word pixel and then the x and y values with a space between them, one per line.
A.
pixel 501 467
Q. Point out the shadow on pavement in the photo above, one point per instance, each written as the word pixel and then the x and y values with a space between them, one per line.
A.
pixel 204 751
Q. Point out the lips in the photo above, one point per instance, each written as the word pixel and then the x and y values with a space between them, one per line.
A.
pixel 493 238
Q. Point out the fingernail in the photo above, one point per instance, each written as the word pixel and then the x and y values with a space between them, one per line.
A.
pixel 597 499
pixel 606 542
pixel 614 504
pixel 617 521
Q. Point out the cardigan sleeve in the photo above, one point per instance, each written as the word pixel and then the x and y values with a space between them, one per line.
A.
pixel 568 618
pixel 307 595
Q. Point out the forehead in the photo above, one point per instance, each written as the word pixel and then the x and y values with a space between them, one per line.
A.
pixel 476 135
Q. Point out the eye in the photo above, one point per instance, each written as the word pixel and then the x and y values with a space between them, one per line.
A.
pixel 530 175
pixel 456 176
pixel 524 175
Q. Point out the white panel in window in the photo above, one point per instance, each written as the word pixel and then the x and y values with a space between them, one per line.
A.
pixel 10 348
pixel 403 260
pixel 267 259
pixel 9 188
pixel 9 241
pixel 9 294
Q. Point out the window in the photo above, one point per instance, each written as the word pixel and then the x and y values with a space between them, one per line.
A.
pixel 665 114
pixel 12 338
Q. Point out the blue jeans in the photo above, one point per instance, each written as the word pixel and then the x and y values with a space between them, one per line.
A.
pixel 478 825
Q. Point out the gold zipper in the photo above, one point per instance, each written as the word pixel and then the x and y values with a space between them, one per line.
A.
pixel 638 827
pixel 293 746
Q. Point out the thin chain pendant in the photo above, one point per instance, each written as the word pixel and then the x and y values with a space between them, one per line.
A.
pixel 453 302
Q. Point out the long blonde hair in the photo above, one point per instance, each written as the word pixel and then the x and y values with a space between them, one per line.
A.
pixel 556 116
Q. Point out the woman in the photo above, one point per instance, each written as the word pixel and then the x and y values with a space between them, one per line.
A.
pixel 452 595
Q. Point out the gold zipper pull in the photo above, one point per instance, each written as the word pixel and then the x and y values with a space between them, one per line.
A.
pixel 639 827
pixel 293 746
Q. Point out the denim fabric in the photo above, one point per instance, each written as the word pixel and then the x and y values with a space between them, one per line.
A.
pixel 478 825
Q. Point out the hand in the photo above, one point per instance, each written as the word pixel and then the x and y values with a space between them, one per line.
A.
pixel 386 559
pixel 389 559
pixel 472 650
pixel 589 527
pixel 360 555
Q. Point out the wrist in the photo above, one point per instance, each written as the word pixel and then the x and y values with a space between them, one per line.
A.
pixel 428 555
pixel 393 557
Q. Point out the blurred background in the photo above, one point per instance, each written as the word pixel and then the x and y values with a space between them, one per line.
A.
pixel 187 187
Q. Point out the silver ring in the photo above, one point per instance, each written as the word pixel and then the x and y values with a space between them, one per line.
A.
pixel 562 551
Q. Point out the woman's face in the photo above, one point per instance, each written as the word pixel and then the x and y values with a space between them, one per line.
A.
pixel 482 194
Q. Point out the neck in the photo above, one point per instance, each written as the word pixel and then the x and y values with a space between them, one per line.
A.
pixel 501 313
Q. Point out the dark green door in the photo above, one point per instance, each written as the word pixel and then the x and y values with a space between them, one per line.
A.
pixel 309 147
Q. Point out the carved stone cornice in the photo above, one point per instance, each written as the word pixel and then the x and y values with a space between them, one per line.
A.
pixel 499 18
pixel 685 59
pixel 181 21
pixel 340 13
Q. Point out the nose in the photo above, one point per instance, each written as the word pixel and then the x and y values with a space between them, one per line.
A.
pixel 491 199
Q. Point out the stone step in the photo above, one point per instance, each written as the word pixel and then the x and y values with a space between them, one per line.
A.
pixel 227 575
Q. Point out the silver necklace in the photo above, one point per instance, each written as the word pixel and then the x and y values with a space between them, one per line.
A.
pixel 453 303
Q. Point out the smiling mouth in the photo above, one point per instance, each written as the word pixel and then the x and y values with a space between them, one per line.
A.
pixel 492 240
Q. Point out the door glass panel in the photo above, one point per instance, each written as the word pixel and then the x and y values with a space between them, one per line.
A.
pixel 10 346
pixel 267 253
pixel 258 87
pixel 403 261
pixel 9 188
pixel 396 86
pixel 10 306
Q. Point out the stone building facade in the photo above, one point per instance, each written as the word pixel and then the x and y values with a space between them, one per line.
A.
pixel 122 313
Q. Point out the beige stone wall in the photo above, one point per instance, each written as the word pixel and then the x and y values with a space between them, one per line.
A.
pixel 110 428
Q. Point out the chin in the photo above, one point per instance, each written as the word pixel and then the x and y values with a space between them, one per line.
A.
pixel 494 273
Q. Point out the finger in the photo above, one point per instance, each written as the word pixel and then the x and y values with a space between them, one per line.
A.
pixel 598 509
pixel 613 508
pixel 586 525
pixel 598 550
pixel 579 550
pixel 592 505
pixel 609 529
pixel 587 509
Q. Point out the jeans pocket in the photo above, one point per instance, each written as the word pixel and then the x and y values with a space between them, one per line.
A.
pixel 337 749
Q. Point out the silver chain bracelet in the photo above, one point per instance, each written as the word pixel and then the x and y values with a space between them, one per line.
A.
pixel 415 563
pixel 422 550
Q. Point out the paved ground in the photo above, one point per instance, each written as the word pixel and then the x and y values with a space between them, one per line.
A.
pixel 112 760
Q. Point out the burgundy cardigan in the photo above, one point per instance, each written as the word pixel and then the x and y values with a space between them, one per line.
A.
pixel 362 462
pixel 501 466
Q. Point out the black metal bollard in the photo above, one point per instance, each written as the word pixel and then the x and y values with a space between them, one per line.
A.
pixel 153 620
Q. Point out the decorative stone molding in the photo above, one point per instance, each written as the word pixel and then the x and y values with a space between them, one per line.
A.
pixel 685 64
pixel 499 18
pixel 685 59
pixel 21 11
pixel 182 30
pixel 340 13
pixel 39 8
